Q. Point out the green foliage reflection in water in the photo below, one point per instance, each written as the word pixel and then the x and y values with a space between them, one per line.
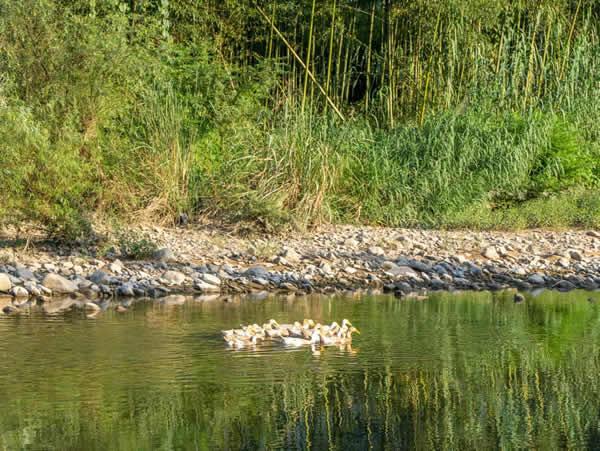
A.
pixel 455 372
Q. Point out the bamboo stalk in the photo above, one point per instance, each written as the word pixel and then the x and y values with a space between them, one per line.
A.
pixel 346 74
pixel 532 52
pixel 571 31
pixel 390 64
pixel 309 54
pixel 330 58
pixel 297 57
pixel 339 65
pixel 270 47
pixel 369 54
pixel 544 56
pixel 428 77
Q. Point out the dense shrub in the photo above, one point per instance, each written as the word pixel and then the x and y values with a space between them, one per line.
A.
pixel 146 109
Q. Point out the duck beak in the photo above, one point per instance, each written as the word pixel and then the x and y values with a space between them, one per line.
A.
pixel 356 330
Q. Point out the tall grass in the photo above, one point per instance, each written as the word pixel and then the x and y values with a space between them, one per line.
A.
pixel 408 59
pixel 398 113
pixel 320 170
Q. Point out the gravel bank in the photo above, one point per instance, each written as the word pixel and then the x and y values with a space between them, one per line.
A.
pixel 211 262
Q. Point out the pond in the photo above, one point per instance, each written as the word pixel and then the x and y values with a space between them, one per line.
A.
pixel 455 371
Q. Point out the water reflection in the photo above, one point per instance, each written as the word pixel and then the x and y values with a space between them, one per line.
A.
pixel 453 372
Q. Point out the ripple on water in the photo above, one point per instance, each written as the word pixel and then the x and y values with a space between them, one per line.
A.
pixel 465 370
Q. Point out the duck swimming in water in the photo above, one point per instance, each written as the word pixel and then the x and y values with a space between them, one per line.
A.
pixel 240 338
pixel 345 336
pixel 308 332
pixel 335 335
pixel 245 333
pixel 297 341
pixel 241 342
pixel 272 329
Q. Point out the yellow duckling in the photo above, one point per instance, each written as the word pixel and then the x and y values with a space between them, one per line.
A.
pixel 240 342
pixel 235 332
pixel 257 330
pixel 324 333
pixel 245 333
pixel 272 329
pixel 296 334
pixel 308 324
pixel 345 335
pixel 244 336
pixel 293 330
pixel 336 334
pixel 334 327
pixel 346 323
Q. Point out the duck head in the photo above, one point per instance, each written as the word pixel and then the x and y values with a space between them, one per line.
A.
pixel 308 324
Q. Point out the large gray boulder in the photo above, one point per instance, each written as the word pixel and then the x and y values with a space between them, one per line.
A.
pixel 165 255
pixel 205 287
pixel 58 284
pixel 211 279
pixel 491 253
pixel 400 272
pixel 100 277
pixel 25 273
pixel 126 290
pixel 174 277
pixel 256 272
pixel 536 279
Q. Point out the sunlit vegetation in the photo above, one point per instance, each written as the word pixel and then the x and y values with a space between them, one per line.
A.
pixel 370 111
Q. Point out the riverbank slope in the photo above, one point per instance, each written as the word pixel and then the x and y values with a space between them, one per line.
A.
pixel 213 261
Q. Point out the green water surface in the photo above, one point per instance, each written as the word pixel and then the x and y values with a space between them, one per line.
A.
pixel 456 371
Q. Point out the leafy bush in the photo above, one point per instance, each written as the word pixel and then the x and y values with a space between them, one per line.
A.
pixel 44 182
pixel 576 208
pixel 135 246
pixel 564 162
pixel 133 109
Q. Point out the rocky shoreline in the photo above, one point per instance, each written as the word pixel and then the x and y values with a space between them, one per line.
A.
pixel 213 263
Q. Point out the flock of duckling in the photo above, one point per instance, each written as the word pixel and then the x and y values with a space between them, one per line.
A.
pixel 298 334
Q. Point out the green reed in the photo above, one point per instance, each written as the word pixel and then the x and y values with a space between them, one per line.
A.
pixel 396 113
